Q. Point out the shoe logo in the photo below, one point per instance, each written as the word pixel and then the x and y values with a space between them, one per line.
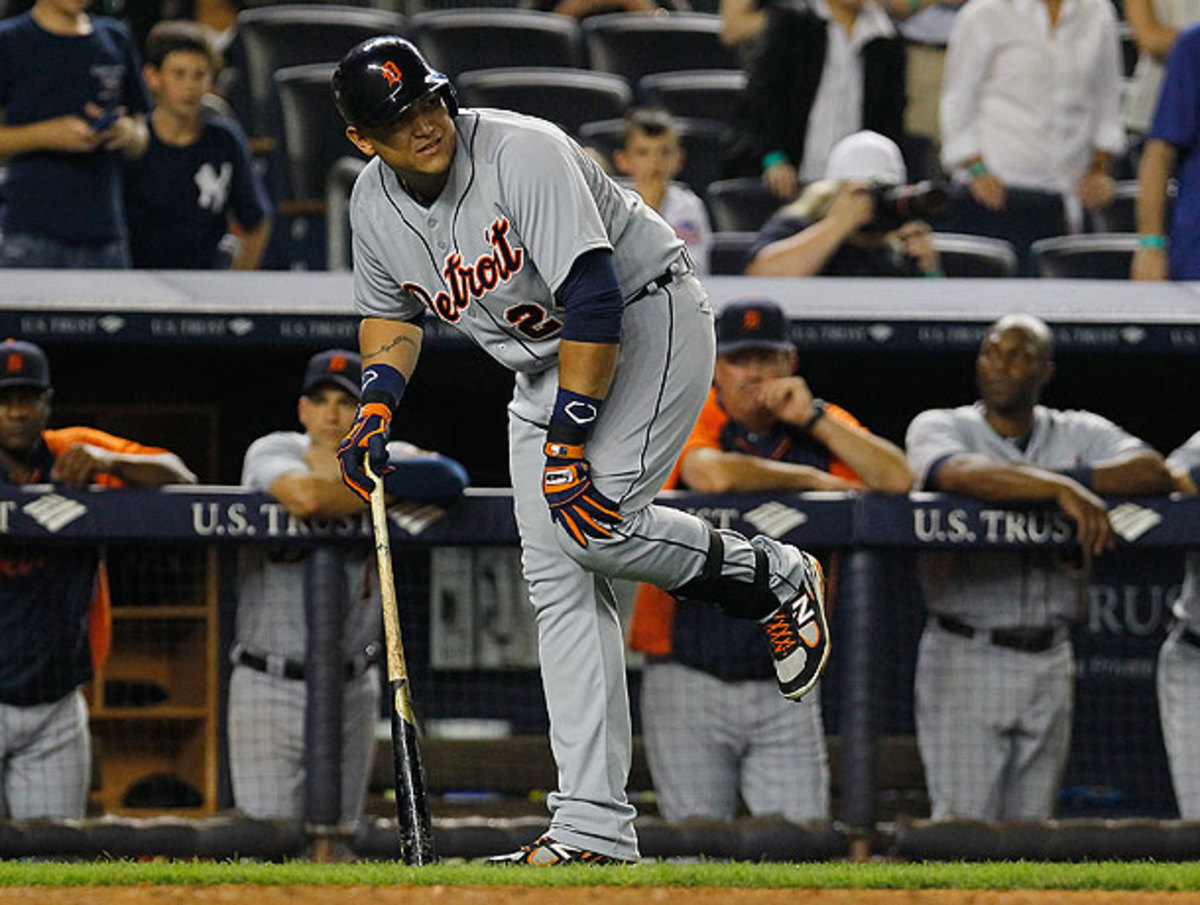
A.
pixel 775 519
pixel 54 512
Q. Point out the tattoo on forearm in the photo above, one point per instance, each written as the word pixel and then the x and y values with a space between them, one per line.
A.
pixel 388 346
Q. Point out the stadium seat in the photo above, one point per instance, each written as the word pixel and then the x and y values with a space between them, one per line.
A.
pixel 700 139
pixel 1096 256
pixel 634 44
pixel 275 37
pixel 462 40
pixel 975 256
pixel 704 93
pixel 569 97
pixel 1121 215
pixel 740 204
pixel 313 134
pixel 730 252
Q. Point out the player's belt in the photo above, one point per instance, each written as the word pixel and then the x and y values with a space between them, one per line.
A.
pixel 1029 640
pixel 682 265
pixel 283 668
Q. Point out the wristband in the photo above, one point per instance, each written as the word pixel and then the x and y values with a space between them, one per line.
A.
pixel 1152 241
pixel 1080 473
pixel 382 383
pixel 914 5
pixel 817 412
pixel 769 160
pixel 933 274
pixel 978 168
pixel 574 417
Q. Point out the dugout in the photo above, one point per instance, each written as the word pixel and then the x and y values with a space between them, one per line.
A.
pixel 204 363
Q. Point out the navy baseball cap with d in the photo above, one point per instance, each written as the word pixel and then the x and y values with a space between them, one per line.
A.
pixel 334 367
pixel 23 364
pixel 752 325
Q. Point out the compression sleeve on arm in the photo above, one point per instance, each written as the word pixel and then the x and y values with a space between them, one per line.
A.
pixel 591 299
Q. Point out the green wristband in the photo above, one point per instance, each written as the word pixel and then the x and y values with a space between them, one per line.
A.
pixel 978 168
pixel 1152 241
pixel 769 160
pixel 933 274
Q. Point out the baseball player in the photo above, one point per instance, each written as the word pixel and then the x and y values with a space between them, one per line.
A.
pixel 502 226
pixel 994 682
pixel 267 691
pixel 1179 657
pixel 54 599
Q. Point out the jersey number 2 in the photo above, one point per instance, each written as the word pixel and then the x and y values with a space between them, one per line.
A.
pixel 532 320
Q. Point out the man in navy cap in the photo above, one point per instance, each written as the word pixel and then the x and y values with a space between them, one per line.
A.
pixel 713 723
pixel 54 608
pixel 267 689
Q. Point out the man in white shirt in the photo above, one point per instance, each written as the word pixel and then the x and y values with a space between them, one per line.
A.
pixel 1030 115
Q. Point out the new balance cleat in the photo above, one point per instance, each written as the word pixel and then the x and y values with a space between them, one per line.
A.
pixel 799 634
pixel 545 852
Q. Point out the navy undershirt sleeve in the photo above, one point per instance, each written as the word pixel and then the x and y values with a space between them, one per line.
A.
pixel 591 299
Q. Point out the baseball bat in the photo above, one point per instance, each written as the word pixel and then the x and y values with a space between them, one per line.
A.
pixel 412 805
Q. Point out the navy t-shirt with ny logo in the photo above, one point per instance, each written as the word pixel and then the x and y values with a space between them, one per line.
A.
pixel 180 199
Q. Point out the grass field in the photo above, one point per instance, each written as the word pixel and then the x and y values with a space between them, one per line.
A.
pixel 830 875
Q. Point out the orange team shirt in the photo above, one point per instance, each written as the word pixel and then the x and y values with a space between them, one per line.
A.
pixel 653 608
pixel 100 614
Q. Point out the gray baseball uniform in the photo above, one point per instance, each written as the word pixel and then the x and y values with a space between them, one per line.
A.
pixel 1179 668
pixel 994 719
pixel 522 203
pixel 266 709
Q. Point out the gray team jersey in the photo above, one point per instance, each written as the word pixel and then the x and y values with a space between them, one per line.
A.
pixel 1022 588
pixel 523 201
pixel 270 613
pixel 1187 607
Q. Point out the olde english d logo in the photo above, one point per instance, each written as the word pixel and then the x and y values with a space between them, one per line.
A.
pixel 472 281
pixel 391 72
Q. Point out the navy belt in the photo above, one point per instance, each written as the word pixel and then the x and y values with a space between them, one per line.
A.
pixel 283 668
pixel 1187 636
pixel 1029 640
pixel 682 265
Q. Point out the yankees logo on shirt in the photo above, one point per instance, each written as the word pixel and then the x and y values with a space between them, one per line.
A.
pixel 213 185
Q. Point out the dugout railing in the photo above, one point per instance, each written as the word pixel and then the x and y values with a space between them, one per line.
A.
pixel 869 531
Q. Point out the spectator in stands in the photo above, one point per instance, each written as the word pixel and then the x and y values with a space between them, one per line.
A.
pixel 838 227
pixel 197 174
pixel 743 21
pixel 73 102
pixel 818 75
pixel 994 671
pixel 1179 658
pixel 54 599
pixel 1171 150
pixel 651 156
pixel 267 691
pixel 1030 116
pixel 712 719
pixel 1155 25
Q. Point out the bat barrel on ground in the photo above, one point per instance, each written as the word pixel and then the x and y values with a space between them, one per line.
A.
pixel 412 804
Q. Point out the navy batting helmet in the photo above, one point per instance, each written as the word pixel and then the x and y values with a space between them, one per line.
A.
pixel 381 78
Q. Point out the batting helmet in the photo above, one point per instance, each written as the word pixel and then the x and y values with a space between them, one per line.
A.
pixel 379 79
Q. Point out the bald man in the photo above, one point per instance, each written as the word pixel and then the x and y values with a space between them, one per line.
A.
pixel 994 683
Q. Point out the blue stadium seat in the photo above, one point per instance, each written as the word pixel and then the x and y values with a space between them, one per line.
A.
pixel 462 40
pixel 568 97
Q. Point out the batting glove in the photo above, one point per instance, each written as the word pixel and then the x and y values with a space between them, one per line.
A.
pixel 574 502
pixel 368 438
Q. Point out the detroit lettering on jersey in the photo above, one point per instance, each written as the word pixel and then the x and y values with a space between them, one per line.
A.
pixel 475 280
pixel 521 203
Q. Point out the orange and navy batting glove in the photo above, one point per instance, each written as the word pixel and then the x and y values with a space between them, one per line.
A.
pixel 575 503
pixel 383 386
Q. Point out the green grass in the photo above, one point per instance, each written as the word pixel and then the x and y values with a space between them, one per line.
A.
pixel 829 875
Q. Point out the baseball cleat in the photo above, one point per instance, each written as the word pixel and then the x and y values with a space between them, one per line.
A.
pixel 545 852
pixel 799 634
